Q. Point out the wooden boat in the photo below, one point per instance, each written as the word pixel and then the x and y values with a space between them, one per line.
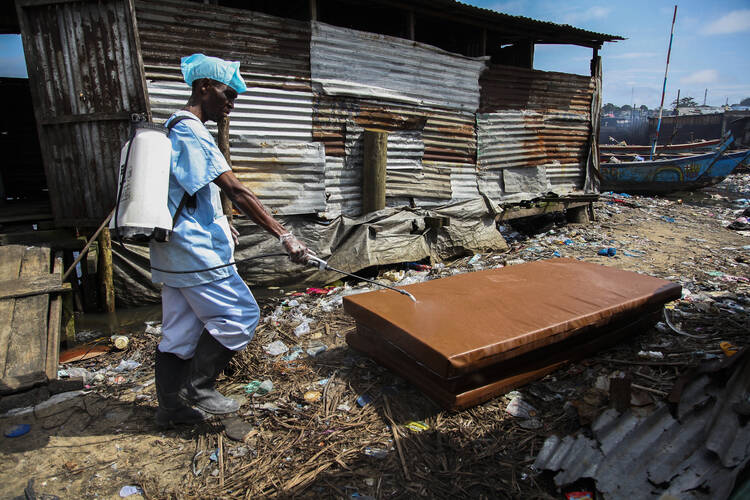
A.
pixel 680 173
pixel 618 149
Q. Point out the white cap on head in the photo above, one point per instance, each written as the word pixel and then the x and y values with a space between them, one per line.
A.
pixel 200 66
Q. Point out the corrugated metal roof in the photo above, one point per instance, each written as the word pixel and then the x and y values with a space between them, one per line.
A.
pixel 696 455
pixel 534 29
pixel 355 63
pixel 85 82
pixel 265 45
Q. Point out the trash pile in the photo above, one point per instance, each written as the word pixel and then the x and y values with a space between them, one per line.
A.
pixel 319 419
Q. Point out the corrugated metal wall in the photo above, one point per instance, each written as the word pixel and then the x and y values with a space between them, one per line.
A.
pixel 267 113
pixel 355 63
pixel 533 119
pixel 288 177
pixel 271 125
pixel 273 51
pixel 85 82
pixel 447 162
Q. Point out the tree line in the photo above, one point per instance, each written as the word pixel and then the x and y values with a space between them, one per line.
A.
pixel 685 102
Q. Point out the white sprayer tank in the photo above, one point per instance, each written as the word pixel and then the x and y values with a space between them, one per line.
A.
pixel 142 213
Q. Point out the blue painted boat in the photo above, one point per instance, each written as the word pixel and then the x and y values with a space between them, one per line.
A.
pixel 668 175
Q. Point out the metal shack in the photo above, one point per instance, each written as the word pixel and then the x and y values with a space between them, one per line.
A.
pixel 467 116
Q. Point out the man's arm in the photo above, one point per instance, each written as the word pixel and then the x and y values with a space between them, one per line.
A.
pixel 251 206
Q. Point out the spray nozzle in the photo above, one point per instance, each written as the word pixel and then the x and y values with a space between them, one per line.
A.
pixel 316 262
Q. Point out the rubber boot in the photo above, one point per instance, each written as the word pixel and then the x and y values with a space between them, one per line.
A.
pixel 170 372
pixel 211 357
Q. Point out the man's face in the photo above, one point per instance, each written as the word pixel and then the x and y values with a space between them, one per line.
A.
pixel 218 100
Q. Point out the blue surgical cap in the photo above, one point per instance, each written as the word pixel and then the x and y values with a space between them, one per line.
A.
pixel 200 66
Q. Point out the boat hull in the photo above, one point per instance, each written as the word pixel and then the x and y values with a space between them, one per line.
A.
pixel 669 175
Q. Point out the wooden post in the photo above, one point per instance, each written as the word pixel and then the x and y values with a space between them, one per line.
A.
pixel 106 287
pixel 226 203
pixel 483 43
pixel 593 182
pixel 55 321
pixel 412 28
pixel 313 10
pixel 373 173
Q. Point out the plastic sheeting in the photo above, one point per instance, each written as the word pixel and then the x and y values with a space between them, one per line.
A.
pixel 388 236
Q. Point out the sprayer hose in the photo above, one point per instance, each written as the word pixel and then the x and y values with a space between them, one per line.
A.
pixel 261 256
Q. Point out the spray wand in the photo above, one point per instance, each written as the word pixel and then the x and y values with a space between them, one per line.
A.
pixel 323 266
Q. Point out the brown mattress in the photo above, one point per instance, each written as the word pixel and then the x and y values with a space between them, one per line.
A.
pixel 472 335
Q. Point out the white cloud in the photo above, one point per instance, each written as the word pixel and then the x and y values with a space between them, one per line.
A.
pixel 734 22
pixel 634 55
pixel 595 12
pixel 701 77
pixel 513 7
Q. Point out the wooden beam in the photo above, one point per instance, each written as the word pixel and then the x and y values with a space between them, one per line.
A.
pixel 32 285
pixel 54 323
pixel 313 10
pixel 373 173
pixel 106 286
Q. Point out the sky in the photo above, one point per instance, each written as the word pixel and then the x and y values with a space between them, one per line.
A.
pixel 711 47
pixel 710 50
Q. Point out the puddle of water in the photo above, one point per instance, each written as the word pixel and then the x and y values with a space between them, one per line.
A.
pixel 132 322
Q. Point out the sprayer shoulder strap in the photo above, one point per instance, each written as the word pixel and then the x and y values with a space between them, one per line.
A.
pixel 185 197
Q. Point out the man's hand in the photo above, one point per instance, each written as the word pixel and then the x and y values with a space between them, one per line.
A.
pixel 235 234
pixel 296 250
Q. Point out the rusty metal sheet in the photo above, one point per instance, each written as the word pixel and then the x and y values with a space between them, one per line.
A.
pixel 348 62
pixel 449 136
pixel 532 118
pixel 85 81
pixel 267 113
pixel 404 150
pixel 554 140
pixel 288 177
pixel 511 87
pixel 273 51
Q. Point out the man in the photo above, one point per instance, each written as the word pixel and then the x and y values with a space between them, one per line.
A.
pixel 209 314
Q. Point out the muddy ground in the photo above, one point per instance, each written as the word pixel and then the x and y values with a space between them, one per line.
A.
pixel 309 437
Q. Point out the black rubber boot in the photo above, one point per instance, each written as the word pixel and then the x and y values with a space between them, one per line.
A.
pixel 210 359
pixel 170 373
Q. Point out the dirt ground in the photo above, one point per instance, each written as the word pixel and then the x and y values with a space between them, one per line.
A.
pixel 309 437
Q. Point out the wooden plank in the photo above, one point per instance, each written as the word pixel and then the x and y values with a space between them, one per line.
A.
pixel 55 238
pixel 33 285
pixel 10 267
pixel 519 212
pixel 25 364
pixel 54 323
